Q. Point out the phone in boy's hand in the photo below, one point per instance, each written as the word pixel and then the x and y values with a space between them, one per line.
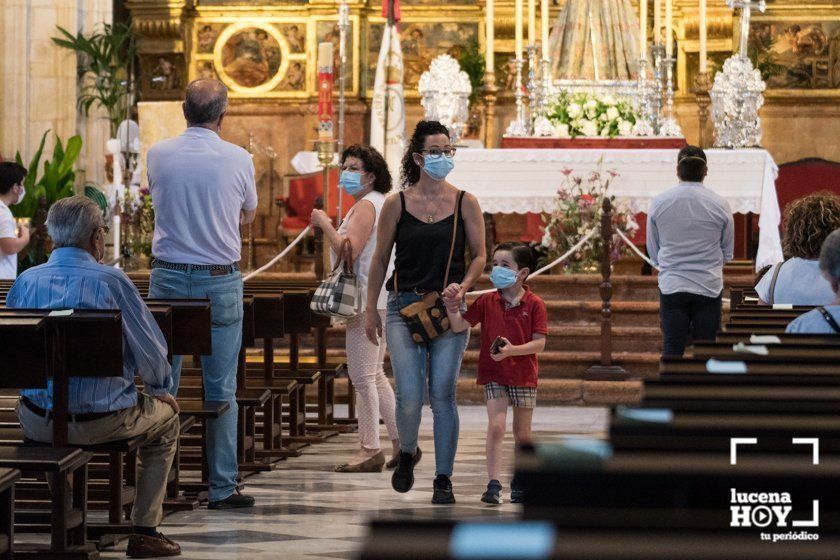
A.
pixel 498 343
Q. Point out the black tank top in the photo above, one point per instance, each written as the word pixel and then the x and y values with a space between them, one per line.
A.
pixel 422 250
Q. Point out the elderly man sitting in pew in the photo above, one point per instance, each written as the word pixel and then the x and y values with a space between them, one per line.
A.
pixel 824 320
pixel 104 410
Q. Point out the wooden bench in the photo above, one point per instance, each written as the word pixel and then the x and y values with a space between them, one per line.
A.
pixel 43 350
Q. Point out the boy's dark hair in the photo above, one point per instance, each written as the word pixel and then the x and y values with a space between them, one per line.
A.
pixel 692 164
pixel 11 174
pixel 523 254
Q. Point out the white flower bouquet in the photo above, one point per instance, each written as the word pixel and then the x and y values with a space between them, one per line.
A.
pixel 574 114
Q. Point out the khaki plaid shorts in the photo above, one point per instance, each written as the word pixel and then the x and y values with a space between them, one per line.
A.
pixel 522 397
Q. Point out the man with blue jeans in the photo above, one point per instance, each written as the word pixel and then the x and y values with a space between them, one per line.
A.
pixel 202 189
pixel 690 235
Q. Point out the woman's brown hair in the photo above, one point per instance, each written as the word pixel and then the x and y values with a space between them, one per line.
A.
pixel 808 221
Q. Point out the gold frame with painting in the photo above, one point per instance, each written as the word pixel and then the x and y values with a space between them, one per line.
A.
pixel 808 24
pixel 371 50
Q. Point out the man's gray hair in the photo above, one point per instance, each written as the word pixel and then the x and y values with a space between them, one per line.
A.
pixel 830 255
pixel 205 102
pixel 71 221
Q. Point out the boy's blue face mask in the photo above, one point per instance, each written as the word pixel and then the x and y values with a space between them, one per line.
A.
pixel 438 167
pixel 502 277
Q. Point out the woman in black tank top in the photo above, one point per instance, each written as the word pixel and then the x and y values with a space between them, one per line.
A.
pixel 420 223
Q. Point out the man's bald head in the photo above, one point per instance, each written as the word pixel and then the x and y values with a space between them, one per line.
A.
pixel 205 103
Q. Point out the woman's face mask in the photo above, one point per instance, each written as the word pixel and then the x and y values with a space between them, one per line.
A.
pixel 438 166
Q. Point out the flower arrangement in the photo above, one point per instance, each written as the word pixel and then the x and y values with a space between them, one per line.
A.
pixel 574 114
pixel 577 211
pixel 139 218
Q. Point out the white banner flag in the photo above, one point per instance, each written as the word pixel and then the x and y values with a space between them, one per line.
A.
pixel 387 119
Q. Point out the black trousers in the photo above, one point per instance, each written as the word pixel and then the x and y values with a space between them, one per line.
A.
pixel 683 314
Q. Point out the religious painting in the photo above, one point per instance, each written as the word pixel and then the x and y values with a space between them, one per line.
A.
pixel 295 34
pixel 251 58
pixel 802 55
pixel 206 37
pixel 421 42
pixel 328 32
pixel 205 71
pixel 165 74
pixel 295 79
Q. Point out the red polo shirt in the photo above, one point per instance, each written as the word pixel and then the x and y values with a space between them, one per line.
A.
pixel 519 325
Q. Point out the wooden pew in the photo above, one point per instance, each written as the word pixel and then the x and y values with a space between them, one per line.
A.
pixel 8 478
pixel 44 349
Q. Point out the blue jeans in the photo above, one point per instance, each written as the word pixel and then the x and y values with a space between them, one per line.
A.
pixel 219 368
pixel 440 362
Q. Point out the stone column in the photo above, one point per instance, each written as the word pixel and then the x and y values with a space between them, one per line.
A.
pixel 94 128
pixel 37 78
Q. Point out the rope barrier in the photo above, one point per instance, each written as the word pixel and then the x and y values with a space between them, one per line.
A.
pixel 282 254
pixel 635 249
pixel 550 265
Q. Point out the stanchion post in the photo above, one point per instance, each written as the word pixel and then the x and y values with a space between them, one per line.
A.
pixel 606 370
pixel 318 235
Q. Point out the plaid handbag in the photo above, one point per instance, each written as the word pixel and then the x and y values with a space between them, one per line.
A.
pixel 427 319
pixel 338 295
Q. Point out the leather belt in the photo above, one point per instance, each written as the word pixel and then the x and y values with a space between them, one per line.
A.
pixel 85 417
pixel 229 268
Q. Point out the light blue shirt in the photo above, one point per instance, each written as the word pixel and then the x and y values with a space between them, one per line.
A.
pixel 199 185
pixel 813 322
pixel 690 235
pixel 800 282
pixel 72 279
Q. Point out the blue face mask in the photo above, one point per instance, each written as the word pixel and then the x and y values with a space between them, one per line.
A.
pixel 502 277
pixel 351 181
pixel 438 167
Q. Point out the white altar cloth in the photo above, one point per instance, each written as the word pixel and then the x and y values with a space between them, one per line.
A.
pixel 513 181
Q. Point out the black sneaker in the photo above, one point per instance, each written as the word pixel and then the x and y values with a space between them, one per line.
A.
pixel 234 501
pixel 517 494
pixel 493 494
pixel 443 490
pixel 403 478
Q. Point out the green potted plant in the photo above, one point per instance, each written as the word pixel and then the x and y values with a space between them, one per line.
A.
pixel 56 182
pixel 104 68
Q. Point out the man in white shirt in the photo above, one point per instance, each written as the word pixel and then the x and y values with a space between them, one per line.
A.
pixel 12 241
pixel 690 235
pixel 202 189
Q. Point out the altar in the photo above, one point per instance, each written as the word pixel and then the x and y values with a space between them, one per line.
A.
pixel 521 181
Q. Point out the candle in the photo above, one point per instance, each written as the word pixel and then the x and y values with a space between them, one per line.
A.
pixel 489 63
pixel 669 32
pixel 325 83
pixel 643 12
pixel 532 22
pixel 546 25
pixel 518 30
pixel 657 22
pixel 703 47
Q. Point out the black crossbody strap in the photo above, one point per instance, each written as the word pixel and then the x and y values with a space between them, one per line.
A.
pixel 773 283
pixel 829 319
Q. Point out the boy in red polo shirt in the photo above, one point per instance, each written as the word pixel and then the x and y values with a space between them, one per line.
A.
pixel 513 331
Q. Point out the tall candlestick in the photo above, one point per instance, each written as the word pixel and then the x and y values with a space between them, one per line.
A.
pixel 703 47
pixel 325 83
pixel 643 13
pixel 532 22
pixel 489 61
pixel 518 29
pixel 669 31
pixel 545 26
pixel 657 22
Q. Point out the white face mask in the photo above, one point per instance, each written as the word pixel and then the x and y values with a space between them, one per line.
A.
pixel 21 195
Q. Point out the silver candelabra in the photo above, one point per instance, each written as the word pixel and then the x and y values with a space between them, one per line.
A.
pixel 518 126
pixel 669 125
pixel 644 92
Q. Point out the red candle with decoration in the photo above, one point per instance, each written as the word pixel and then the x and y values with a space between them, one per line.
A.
pixel 325 87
